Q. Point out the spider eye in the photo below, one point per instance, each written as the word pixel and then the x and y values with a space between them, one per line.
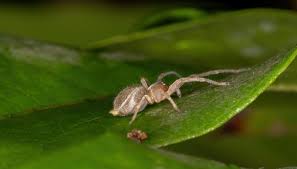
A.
pixel 164 87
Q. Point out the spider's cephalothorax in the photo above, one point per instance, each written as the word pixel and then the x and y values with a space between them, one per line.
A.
pixel 134 99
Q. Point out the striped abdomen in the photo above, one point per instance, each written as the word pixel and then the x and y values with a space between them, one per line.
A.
pixel 126 101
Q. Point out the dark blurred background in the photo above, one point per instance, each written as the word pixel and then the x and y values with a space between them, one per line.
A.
pixel 209 4
pixel 91 20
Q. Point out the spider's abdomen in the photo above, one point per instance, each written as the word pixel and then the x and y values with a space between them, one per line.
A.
pixel 126 101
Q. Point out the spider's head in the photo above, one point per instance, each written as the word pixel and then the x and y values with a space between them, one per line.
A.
pixel 157 91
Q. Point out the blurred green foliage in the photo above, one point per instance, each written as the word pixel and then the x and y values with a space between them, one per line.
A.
pixel 71 25
pixel 244 38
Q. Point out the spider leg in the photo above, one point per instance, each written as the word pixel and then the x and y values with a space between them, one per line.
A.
pixel 219 71
pixel 144 83
pixel 173 104
pixel 180 82
pixel 163 75
pixel 138 107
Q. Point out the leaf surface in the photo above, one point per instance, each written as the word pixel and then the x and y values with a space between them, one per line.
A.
pixel 204 109
pixel 55 109
pixel 118 153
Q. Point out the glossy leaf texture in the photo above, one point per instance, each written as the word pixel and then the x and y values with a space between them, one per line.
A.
pixel 64 82
pixel 36 75
pixel 207 108
pixel 45 118
pixel 78 136
pixel 241 38
pixel 118 153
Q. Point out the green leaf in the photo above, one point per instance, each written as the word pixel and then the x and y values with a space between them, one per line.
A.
pixel 265 130
pixel 37 75
pixel 34 68
pixel 209 107
pixel 229 39
pixel 57 137
pixel 170 17
pixel 117 153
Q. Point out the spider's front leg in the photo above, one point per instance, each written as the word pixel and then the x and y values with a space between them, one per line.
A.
pixel 163 75
pixel 144 83
pixel 180 82
pixel 173 104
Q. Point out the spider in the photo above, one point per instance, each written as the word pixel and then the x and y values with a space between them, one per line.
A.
pixel 134 99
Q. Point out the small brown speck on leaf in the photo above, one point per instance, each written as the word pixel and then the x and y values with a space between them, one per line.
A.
pixel 137 135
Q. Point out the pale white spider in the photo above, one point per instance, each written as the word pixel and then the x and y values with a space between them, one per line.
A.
pixel 134 99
